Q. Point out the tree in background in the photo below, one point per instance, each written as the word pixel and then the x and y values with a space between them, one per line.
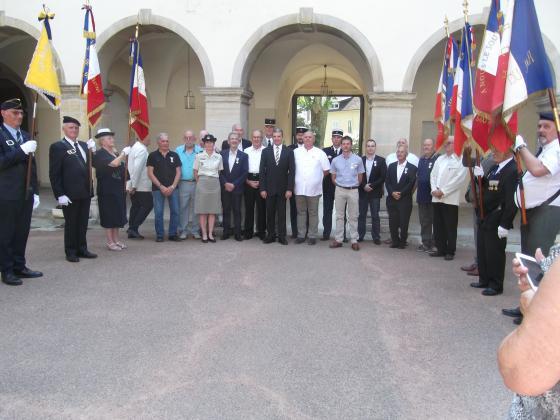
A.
pixel 318 109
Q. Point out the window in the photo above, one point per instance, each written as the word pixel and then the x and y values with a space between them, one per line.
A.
pixel 335 124
pixel 349 126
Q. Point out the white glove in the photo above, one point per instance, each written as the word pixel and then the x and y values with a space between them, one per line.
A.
pixel 519 143
pixel 29 146
pixel 502 233
pixel 63 200
pixel 36 201
pixel 91 145
pixel 126 150
pixel 477 171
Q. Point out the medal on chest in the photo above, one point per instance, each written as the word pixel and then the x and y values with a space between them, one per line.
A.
pixel 10 142
pixel 493 185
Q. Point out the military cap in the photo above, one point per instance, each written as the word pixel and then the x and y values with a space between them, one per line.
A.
pixel 69 120
pixel 337 132
pixel 208 137
pixel 14 103
pixel 546 116
pixel 269 121
pixel 300 130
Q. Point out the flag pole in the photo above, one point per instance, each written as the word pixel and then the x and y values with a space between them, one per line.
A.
pixel 554 106
pixel 137 52
pixel 30 159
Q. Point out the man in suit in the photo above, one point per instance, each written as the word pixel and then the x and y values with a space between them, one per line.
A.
pixel 72 187
pixel 400 180
pixel 498 187
pixel 293 207
pixel 16 204
pixel 371 191
pixel 277 173
pixel 424 195
pixel 254 203
pixel 269 125
pixel 328 186
pixel 243 142
pixel 232 180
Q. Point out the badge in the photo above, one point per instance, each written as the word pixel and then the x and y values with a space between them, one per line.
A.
pixel 237 161
pixel 374 163
pixel 405 170
pixel 353 165
pixel 171 159
pixel 10 142
pixel 493 185
pixel 430 165
pixel 71 151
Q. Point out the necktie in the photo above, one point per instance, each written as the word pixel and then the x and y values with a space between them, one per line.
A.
pixel 269 142
pixel 277 154
pixel 18 136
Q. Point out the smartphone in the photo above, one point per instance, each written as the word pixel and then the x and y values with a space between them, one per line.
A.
pixel 535 273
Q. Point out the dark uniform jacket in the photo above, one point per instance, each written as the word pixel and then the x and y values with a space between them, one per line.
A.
pixel 68 171
pixel 236 175
pixel 277 179
pixel 425 166
pixel 376 177
pixel 13 167
pixel 498 196
pixel 328 186
pixel 406 184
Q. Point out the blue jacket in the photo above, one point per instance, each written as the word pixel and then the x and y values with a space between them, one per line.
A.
pixel 424 191
pixel 13 167
pixel 237 175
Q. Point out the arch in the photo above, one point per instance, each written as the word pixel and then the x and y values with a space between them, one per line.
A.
pixel 283 25
pixel 456 25
pixel 170 25
pixel 33 32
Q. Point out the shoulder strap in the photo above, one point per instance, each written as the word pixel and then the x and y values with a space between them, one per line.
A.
pixel 551 199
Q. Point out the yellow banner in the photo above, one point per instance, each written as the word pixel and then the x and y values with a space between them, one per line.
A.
pixel 41 75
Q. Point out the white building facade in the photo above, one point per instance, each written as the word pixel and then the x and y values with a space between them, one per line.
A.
pixel 245 61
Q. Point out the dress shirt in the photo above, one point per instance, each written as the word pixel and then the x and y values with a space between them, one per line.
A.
pixel 539 189
pixel 347 169
pixel 254 158
pixel 448 175
pixel 208 165
pixel 75 144
pixel 137 168
pixel 310 167
pixel 267 142
pixel 231 159
pixel 187 161
pixel 400 169
pixel 369 166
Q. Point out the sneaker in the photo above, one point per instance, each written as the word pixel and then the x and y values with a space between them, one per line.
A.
pixel 183 236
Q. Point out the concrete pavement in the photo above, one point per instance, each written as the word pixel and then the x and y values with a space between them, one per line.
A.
pixel 245 330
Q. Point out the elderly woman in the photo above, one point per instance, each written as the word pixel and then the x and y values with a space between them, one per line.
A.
pixel 110 173
pixel 207 202
pixel 529 358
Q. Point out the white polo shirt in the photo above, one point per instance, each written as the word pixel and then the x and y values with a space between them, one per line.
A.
pixel 310 167
pixel 539 189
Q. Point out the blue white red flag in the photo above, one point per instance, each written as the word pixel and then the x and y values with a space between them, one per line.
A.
pixel 91 85
pixel 444 96
pixel 138 103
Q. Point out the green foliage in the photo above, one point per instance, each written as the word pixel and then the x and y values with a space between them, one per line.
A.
pixel 318 108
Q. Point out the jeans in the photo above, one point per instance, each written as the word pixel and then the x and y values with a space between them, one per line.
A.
pixel 159 202
pixel 188 220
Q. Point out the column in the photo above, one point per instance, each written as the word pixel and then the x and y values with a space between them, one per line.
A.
pixel 390 117
pixel 226 106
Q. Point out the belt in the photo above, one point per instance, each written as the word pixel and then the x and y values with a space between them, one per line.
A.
pixel 347 188
pixel 188 180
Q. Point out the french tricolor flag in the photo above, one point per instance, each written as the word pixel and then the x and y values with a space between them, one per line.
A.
pixel 139 120
pixel 444 95
pixel 91 85
pixel 463 111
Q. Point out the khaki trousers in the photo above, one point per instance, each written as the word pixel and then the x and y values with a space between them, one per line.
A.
pixel 342 197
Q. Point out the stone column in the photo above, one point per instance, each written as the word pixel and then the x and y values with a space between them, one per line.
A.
pixel 226 106
pixel 390 117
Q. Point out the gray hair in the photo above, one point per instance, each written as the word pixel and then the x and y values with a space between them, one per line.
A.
pixel 160 136
pixel 232 134
pixel 258 131
pixel 278 130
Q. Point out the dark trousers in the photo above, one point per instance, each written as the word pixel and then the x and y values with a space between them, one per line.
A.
pixel 254 202
pixel 446 217
pixel 231 202
pixel 293 216
pixel 142 203
pixel 76 216
pixel 543 224
pixel 276 206
pixel 491 256
pixel 15 221
pixel 328 204
pixel 399 218
pixel 426 219
pixel 368 202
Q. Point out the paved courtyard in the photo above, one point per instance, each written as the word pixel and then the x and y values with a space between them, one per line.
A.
pixel 249 331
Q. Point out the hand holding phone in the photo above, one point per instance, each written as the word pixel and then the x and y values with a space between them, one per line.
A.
pixel 534 273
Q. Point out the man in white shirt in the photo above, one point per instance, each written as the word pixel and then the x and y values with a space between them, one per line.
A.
pixel 410 157
pixel 139 187
pixel 446 180
pixel 253 199
pixel 312 165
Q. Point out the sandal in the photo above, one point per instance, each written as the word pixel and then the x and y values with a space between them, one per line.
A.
pixel 121 245
pixel 113 246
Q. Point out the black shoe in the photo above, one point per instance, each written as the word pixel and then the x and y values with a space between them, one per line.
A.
pixel 479 285
pixel 326 237
pixel 268 240
pixel 261 236
pixel 377 241
pixel 294 235
pixel 518 321
pixel 204 241
pixel 212 240
pixel 514 312
pixel 133 234
pixel 224 237
pixel 26 273
pixel 402 246
pixel 159 239
pixel 72 258
pixel 360 239
pixel 11 279
pixel 87 254
pixel 448 257
pixel 248 236
pixel 300 240
pixel 491 292
pixel 394 245
pixel 283 241
pixel 238 238
pixel 436 254
pixel 174 238
pixel 312 241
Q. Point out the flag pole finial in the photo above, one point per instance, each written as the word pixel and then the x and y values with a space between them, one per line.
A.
pixel 466 10
pixel 446 25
